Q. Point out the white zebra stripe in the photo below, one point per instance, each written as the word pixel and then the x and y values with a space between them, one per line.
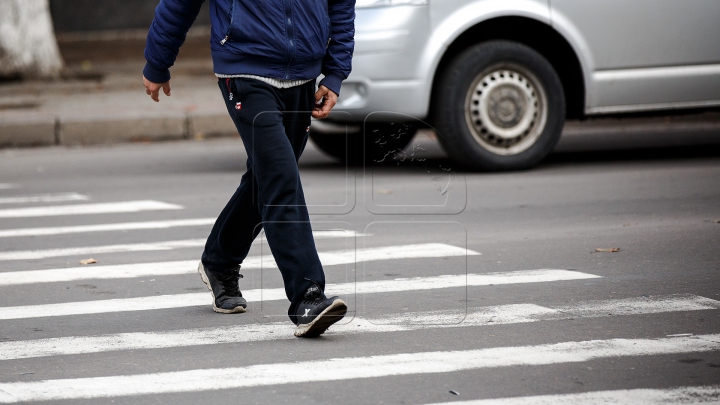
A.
pixel 682 395
pixel 85 209
pixel 484 316
pixel 272 294
pixel 94 250
pixel 44 198
pixel 124 226
pixel 348 368
pixel 428 250
pixel 131 226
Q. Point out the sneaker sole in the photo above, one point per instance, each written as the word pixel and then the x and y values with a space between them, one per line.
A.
pixel 203 277
pixel 335 312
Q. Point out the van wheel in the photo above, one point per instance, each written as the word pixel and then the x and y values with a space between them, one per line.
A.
pixel 500 106
pixel 381 141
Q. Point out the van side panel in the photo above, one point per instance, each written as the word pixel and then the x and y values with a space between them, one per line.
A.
pixel 644 54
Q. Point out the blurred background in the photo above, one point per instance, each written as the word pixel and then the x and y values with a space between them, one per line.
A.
pixel 88 91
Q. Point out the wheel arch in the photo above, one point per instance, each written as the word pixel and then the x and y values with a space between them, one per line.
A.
pixel 533 33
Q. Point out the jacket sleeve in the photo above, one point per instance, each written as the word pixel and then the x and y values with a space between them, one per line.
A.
pixel 168 30
pixel 337 63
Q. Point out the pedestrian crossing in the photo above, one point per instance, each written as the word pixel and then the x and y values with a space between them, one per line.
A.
pixel 45 198
pixel 125 226
pixel 683 395
pixel 472 317
pixel 278 294
pixel 391 322
pixel 88 209
pixel 347 368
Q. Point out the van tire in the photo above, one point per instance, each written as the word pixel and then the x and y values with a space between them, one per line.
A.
pixel 499 105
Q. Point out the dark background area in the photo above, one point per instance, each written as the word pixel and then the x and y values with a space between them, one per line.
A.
pixel 97 15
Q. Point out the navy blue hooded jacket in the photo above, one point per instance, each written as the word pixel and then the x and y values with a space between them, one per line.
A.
pixel 282 39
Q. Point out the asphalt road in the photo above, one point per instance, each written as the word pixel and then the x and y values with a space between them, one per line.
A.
pixel 461 286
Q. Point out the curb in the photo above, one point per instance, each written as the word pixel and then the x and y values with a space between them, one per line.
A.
pixel 45 129
pixel 26 130
pixel 17 131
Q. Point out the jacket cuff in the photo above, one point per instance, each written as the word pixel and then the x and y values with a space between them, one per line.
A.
pixel 156 75
pixel 332 82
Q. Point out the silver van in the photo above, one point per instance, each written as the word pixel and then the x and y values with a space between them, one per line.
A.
pixel 496 79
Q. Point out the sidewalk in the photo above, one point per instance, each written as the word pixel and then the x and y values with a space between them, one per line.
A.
pixel 103 101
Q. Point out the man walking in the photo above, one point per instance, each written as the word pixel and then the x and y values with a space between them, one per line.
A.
pixel 267 55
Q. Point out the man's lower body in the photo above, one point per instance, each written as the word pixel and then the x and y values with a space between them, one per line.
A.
pixel 273 124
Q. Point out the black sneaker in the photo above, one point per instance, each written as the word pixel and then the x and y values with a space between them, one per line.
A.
pixel 225 290
pixel 316 313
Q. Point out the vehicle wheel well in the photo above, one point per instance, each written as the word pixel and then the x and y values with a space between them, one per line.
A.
pixel 536 35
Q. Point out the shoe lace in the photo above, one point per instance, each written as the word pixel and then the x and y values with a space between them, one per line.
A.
pixel 230 282
pixel 314 296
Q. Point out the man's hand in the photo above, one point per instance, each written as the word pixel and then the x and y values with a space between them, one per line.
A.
pixel 153 89
pixel 325 100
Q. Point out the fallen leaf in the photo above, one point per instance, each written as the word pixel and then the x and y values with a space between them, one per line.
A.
pixel 717 221
pixel 607 250
pixel 88 261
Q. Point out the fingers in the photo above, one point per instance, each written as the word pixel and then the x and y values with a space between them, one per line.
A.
pixel 329 99
pixel 321 111
pixel 153 89
pixel 322 91
pixel 166 88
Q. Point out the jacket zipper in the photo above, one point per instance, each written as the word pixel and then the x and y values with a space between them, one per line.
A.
pixel 291 34
pixel 227 33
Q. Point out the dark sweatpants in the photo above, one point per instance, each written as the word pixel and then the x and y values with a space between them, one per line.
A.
pixel 274 125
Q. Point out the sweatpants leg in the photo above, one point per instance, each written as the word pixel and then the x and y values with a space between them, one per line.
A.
pixel 270 195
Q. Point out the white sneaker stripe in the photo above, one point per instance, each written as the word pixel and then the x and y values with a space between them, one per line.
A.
pixel 339 369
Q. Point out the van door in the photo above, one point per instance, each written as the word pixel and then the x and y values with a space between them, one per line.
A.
pixel 645 54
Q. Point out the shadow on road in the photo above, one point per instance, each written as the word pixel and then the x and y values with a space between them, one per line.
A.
pixel 667 153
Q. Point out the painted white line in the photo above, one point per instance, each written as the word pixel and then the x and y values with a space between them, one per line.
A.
pixel 130 226
pixel 44 198
pixel 485 316
pixel 524 313
pixel 683 395
pixel 84 209
pixel 98 272
pixel 423 250
pixel 272 294
pixel 174 244
pixel 427 250
pixel 94 250
pixel 125 226
pixel 348 368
